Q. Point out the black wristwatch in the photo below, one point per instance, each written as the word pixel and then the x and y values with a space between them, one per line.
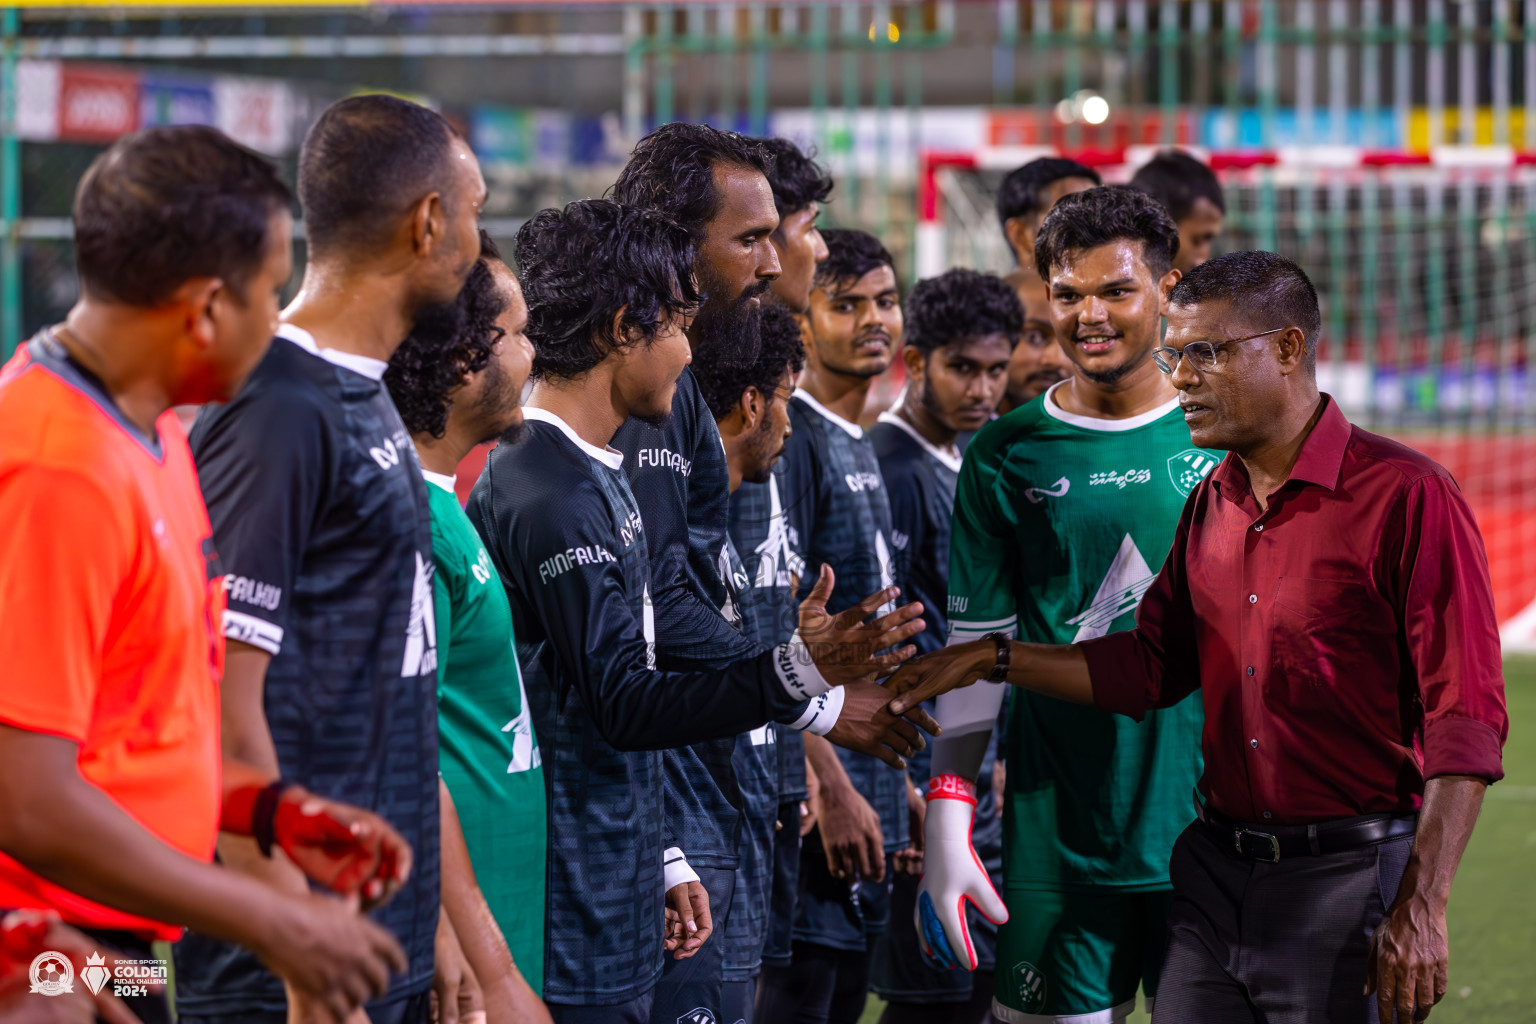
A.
pixel 999 673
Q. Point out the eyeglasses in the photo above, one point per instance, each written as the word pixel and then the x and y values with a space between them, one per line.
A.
pixel 1204 356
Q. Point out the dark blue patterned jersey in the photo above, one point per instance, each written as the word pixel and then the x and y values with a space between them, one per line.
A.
pixel 566 536
pixel 320 515
pixel 920 483
pixel 755 761
pixel 920 479
pixel 774 565
pixel 681 482
pixel 834 498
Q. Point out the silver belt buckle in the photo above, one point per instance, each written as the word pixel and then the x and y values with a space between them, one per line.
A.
pixel 1274 843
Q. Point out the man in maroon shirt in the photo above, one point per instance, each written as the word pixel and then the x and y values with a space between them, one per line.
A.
pixel 1328 593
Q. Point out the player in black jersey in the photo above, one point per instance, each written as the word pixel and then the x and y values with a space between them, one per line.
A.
pixel 750 405
pixel 714 184
pixel 835 500
pixel 961 328
pixel 771 557
pixel 320 514
pixel 608 290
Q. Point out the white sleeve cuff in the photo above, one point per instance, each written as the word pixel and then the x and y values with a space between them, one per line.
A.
pixel 248 629
pixel 799 674
pixel 675 870
pixel 822 713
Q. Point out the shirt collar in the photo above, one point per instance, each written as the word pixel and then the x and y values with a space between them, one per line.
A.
pixel 950 458
pixel 1319 462
pixel 610 457
pixel 443 480
pixel 1105 426
pixel 853 430
pixel 369 367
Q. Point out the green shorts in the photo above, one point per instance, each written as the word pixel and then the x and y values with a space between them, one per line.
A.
pixel 1078 957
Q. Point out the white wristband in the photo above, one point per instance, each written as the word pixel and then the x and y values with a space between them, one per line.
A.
pixel 675 870
pixel 797 672
pixel 822 713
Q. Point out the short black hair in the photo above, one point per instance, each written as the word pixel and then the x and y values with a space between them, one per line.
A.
pixel 1263 288
pixel 797 179
pixel 961 305
pixel 673 170
pixel 165 205
pixel 723 381
pixel 427 367
pixel 1176 179
pixel 581 265
pixel 850 255
pixel 364 163
pixel 1109 213
pixel 1020 193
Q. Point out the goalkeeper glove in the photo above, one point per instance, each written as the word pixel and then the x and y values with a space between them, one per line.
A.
pixel 952 874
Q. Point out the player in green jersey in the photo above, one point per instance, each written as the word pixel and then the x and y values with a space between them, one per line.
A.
pixel 1065 509
pixel 457 382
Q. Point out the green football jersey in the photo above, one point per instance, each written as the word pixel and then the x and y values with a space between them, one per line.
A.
pixel 1061 523
pixel 488 753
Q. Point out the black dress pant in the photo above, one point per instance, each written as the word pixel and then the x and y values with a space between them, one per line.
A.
pixel 1285 943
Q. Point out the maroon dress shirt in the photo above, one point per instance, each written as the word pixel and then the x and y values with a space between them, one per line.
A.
pixel 1343 639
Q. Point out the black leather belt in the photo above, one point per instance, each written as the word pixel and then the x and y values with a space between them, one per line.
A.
pixel 1271 842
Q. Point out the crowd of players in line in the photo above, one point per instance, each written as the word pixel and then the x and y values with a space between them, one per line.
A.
pixel 607 743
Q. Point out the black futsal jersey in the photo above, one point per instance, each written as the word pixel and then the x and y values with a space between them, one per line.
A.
pixel 320 517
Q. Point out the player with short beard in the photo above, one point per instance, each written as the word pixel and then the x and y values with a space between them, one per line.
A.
pixel 751 407
pixel 1062 511
pixel 454 391
pixel 835 501
pixel 961 328
pixel 609 288
pixel 713 183
pixel 800 187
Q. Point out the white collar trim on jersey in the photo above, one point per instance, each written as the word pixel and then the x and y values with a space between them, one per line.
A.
pixel 610 457
pixel 950 458
pixel 853 430
pixel 442 480
pixel 1056 412
pixel 368 366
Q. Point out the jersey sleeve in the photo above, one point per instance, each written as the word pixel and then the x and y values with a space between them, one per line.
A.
pixel 447 586
pixel 981 554
pixel 261 463
pixel 574 586
pixel 803 496
pixel 67 554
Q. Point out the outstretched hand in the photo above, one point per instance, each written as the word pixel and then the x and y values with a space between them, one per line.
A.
pixel 867 725
pixel 845 648
pixel 938 672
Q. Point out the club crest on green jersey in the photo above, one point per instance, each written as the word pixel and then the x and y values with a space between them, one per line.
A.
pixel 1031 987
pixel 1188 468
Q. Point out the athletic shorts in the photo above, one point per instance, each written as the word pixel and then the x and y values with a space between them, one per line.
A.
pixel 1078 957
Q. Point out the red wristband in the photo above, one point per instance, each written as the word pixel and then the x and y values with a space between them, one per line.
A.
pixel 952 787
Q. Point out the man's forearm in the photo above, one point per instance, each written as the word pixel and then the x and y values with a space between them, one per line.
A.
pixel 61 838
pixel 824 762
pixel 508 997
pixel 1055 670
pixel 1451 805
